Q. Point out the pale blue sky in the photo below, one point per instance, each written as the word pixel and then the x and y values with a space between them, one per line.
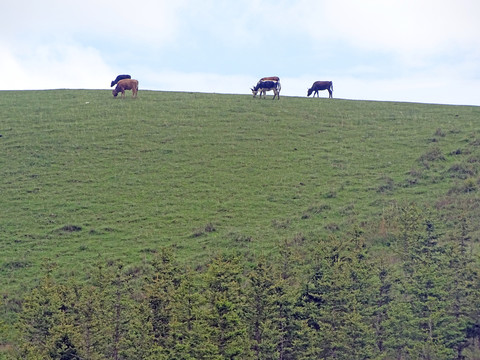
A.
pixel 396 50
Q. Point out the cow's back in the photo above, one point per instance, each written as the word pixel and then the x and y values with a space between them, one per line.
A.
pixel 322 85
pixel 120 77
pixel 272 78
pixel 127 84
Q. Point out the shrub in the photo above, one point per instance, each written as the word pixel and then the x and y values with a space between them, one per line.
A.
pixel 434 154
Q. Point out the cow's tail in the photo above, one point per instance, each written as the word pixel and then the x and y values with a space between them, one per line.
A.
pixel 331 86
pixel 279 87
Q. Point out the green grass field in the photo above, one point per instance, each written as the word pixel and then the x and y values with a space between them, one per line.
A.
pixel 88 178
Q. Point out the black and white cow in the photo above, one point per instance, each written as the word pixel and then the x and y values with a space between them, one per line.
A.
pixel 264 86
pixel 118 78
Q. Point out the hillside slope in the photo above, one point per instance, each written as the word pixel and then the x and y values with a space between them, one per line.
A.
pixel 87 176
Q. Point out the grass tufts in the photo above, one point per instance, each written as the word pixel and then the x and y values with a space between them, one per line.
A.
pixel 70 228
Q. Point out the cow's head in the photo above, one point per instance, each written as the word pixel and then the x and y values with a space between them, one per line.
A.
pixel 254 92
pixel 309 92
pixel 114 92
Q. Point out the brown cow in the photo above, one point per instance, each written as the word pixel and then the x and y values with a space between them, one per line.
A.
pixel 126 84
pixel 271 78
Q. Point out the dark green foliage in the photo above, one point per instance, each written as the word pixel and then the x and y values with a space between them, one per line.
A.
pixel 425 311
pixel 160 292
pixel 336 305
pixel 269 313
pixel 64 350
pixel 350 306
pixel 225 316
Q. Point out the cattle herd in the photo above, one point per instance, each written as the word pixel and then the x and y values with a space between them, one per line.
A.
pixel 271 83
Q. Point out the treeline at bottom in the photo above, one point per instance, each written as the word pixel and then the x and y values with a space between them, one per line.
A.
pixel 420 300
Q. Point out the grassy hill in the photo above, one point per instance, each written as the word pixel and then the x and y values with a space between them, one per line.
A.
pixel 86 177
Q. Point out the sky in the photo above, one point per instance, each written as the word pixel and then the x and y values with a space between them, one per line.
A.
pixel 425 51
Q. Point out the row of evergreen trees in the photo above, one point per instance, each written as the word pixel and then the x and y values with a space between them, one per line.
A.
pixel 421 301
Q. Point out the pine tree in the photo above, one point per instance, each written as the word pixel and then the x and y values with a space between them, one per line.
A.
pixel 89 321
pixel 420 312
pixel 266 311
pixel 113 313
pixel 382 300
pixel 39 317
pixel 335 306
pixel 287 288
pixel 228 330
pixel 189 325
pixel 285 318
pixel 463 291
pixel 37 320
pixel 160 292
pixel 47 321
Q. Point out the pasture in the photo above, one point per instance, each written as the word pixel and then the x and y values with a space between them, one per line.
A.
pixel 88 178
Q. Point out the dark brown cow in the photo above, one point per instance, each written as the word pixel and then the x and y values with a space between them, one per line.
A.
pixel 118 78
pixel 321 85
pixel 126 84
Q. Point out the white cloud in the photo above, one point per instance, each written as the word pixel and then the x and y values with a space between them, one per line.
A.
pixel 152 21
pixel 405 27
pixel 14 78
pixel 49 66
pixel 63 44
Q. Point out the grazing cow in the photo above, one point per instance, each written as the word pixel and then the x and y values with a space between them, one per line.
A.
pixel 321 85
pixel 272 78
pixel 118 78
pixel 126 84
pixel 264 86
